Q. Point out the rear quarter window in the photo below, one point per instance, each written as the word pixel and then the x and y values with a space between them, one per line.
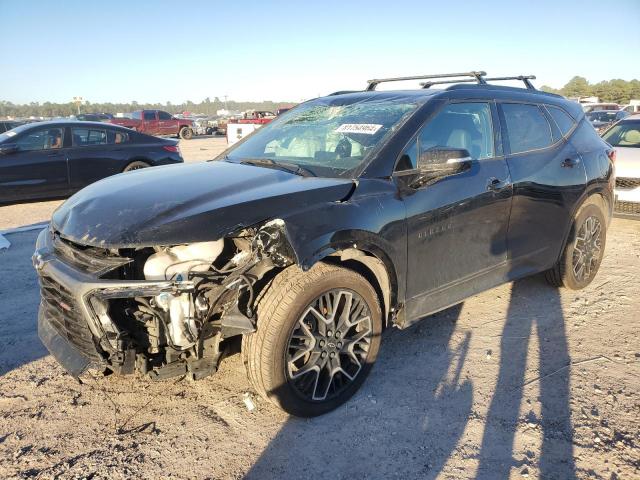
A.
pixel 563 120
pixel 527 127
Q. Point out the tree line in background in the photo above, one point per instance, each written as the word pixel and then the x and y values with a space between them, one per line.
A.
pixel 207 107
pixel 617 91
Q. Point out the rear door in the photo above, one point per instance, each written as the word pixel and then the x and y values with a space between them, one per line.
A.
pixel 38 168
pixel 457 226
pixel 151 123
pixel 96 153
pixel 548 179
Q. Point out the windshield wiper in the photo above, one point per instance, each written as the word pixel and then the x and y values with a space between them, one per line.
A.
pixel 287 167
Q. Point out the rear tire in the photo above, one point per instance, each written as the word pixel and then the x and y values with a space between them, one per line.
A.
pixel 317 337
pixel 137 165
pixel 186 133
pixel 583 252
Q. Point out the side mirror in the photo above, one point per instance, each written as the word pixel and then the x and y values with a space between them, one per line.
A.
pixel 442 161
pixel 7 148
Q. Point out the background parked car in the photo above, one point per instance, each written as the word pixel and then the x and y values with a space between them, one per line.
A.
pixel 633 107
pixel 204 126
pixel 55 159
pixel 157 122
pixel 94 117
pixel 601 119
pixel 625 137
pixel 590 107
pixel 8 125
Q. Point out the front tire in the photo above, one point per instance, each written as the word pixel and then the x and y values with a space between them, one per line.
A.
pixel 186 133
pixel 317 337
pixel 583 252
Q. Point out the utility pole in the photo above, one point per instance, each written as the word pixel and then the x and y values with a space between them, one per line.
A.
pixel 78 101
pixel 225 103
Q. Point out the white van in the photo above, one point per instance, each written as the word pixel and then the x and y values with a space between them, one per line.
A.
pixel 633 107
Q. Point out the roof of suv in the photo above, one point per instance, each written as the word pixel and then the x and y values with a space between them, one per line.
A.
pixel 497 92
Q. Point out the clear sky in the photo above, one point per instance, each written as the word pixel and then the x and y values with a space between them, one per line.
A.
pixel 158 51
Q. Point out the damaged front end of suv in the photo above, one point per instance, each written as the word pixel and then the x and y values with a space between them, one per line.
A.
pixel 279 248
pixel 162 311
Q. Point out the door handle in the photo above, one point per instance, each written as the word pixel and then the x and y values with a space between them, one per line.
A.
pixel 495 184
pixel 570 162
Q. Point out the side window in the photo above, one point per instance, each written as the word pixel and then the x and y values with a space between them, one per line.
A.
pixel 149 115
pixel 461 125
pixel 164 116
pixel 458 125
pixel 136 115
pixel 115 137
pixel 527 127
pixel 41 139
pixel 409 158
pixel 563 120
pixel 82 137
pixel 97 137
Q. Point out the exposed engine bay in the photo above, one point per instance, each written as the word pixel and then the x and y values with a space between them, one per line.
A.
pixel 186 329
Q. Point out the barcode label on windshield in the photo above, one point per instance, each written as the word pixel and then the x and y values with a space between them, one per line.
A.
pixel 366 128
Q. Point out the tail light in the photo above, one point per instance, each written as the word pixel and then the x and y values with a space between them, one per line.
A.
pixel 612 155
pixel 170 148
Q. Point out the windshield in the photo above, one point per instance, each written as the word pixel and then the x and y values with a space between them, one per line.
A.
pixel 624 134
pixel 323 137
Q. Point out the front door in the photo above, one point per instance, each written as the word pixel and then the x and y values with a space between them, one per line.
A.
pixel 457 224
pixel 38 167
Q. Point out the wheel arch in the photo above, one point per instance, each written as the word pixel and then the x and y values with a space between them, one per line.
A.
pixel 374 270
pixel 137 159
pixel 597 196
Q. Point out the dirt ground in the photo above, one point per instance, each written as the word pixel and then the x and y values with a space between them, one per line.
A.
pixel 523 381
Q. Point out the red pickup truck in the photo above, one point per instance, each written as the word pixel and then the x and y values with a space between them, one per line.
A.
pixel 157 122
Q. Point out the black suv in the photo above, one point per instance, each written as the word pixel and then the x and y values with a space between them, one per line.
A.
pixel 303 242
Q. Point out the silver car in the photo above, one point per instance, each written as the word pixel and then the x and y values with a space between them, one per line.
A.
pixel 624 136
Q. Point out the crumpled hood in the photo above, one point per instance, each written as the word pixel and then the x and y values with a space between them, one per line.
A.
pixel 187 203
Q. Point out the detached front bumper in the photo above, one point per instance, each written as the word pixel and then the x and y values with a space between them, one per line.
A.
pixel 73 321
pixel 67 355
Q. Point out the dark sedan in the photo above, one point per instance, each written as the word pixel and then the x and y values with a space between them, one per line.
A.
pixel 50 160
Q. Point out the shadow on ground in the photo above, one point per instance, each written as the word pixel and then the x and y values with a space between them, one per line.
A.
pixel 19 299
pixel 421 370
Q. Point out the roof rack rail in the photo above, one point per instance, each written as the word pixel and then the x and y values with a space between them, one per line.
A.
pixel 477 76
pixel 523 78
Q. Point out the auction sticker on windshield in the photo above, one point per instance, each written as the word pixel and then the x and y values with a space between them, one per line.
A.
pixel 367 128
